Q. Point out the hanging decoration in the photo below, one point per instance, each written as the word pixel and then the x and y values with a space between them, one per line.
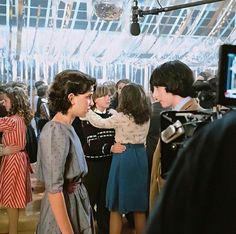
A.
pixel 108 10
pixel 94 36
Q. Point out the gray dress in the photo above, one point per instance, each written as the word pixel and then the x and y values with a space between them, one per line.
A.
pixel 60 160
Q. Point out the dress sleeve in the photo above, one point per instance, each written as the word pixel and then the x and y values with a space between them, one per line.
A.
pixel 99 122
pixel 53 150
pixel 7 124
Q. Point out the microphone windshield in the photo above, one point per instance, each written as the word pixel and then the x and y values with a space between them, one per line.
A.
pixel 135 29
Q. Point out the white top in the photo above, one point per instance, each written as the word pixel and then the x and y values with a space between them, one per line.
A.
pixel 126 130
pixel 35 102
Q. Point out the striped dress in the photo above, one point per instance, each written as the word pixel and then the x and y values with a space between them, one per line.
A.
pixel 15 188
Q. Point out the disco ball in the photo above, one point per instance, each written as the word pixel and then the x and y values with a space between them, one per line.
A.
pixel 108 9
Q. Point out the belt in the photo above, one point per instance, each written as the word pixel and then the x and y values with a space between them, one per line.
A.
pixel 128 145
pixel 70 185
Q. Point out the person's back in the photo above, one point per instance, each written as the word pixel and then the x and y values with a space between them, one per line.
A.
pixel 199 196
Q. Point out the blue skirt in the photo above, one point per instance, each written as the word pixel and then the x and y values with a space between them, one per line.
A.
pixel 127 186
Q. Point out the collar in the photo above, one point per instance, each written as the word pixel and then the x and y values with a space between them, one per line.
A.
pixel 100 112
pixel 181 103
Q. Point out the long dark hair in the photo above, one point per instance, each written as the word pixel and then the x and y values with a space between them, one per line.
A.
pixel 134 102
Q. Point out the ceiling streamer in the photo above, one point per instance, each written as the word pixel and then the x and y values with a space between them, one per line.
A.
pixel 40 38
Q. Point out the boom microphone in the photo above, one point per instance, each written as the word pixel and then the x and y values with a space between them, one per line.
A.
pixel 135 27
pixel 136 12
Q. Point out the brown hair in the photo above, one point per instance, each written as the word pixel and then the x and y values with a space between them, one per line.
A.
pixel 134 102
pixel 19 103
pixel 66 82
pixel 101 91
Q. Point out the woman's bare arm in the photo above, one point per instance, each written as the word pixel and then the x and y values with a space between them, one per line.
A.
pixel 58 207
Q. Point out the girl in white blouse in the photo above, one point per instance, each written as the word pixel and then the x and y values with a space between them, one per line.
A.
pixel 127 187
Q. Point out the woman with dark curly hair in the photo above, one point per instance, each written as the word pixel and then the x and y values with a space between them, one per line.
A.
pixel 127 186
pixel 15 188
pixel 65 207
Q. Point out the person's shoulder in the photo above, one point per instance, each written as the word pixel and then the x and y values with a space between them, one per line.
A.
pixel 121 115
pixel 55 126
pixel 57 129
pixel 191 104
pixel 15 119
pixel 9 119
pixel 44 100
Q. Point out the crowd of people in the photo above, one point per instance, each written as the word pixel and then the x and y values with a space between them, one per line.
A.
pixel 100 156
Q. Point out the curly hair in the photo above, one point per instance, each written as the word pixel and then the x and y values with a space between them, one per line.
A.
pixel 19 103
pixel 176 76
pixel 134 102
pixel 66 82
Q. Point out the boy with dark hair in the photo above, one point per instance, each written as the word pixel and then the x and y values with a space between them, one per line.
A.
pixel 172 86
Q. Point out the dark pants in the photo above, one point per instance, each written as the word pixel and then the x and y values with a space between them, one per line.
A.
pixel 96 183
